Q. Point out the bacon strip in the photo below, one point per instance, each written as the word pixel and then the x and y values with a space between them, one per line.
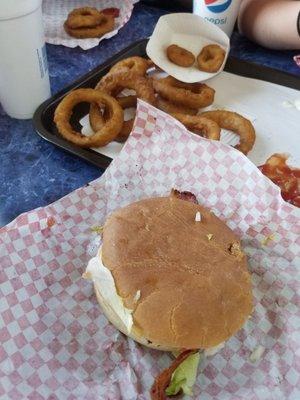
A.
pixel 187 196
pixel 162 381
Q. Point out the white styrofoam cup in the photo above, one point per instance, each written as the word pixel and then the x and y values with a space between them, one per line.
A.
pixel 24 78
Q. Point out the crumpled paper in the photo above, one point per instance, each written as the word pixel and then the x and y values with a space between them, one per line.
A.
pixel 55 13
pixel 57 344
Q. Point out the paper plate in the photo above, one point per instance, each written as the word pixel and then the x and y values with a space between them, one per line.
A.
pixel 190 32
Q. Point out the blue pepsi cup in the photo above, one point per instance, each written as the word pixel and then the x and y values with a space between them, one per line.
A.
pixel 222 13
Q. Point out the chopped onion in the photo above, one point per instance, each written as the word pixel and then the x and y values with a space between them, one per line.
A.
pixel 198 216
pixel 137 296
pixel 257 353
pixel 268 239
pixel 97 229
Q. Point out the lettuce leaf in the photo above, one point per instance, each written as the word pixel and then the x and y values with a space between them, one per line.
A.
pixel 97 229
pixel 184 376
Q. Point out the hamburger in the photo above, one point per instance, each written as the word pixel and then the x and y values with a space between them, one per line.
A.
pixel 172 276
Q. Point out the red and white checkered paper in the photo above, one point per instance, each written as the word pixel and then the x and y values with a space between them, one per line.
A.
pixel 56 12
pixel 55 341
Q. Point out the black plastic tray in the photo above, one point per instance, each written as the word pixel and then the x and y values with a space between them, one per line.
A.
pixel 43 117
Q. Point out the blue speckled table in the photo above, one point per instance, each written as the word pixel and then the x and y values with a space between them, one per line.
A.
pixel 34 173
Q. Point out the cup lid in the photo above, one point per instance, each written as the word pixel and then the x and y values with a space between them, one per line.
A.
pixel 17 8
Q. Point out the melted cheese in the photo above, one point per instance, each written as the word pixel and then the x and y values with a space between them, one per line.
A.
pixel 105 284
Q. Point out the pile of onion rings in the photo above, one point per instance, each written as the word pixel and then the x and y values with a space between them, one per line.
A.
pixel 184 101
pixel 88 22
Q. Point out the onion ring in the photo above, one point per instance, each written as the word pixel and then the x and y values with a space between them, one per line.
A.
pixel 180 56
pixel 125 102
pixel 108 132
pixel 171 108
pixel 235 123
pixel 210 58
pixel 136 64
pixel 193 95
pixel 125 131
pixel 116 82
pixel 107 25
pixel 84 17
pixel 200 125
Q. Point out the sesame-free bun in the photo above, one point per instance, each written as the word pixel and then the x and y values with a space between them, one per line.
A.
pixel 191 276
